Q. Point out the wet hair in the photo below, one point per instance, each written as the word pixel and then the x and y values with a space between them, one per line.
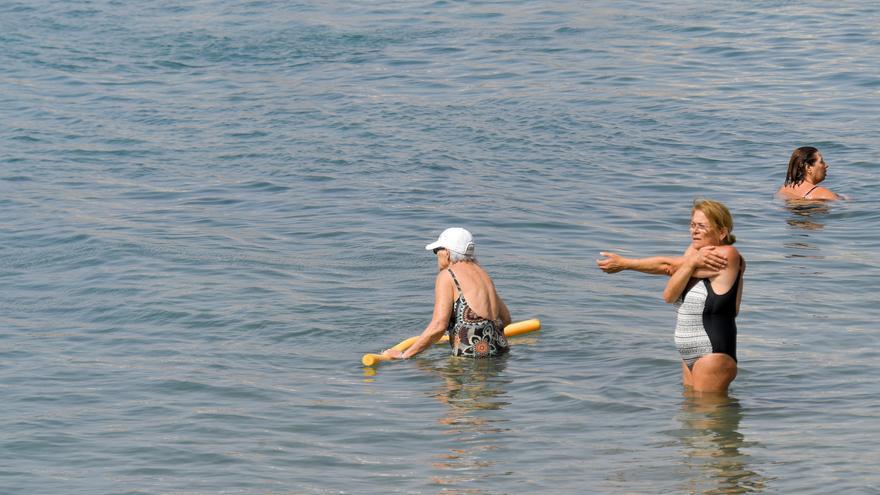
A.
pixel 800 159
pixel 718 215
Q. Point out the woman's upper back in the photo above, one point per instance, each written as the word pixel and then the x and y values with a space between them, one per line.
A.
pixel 805 191
pixel 478 289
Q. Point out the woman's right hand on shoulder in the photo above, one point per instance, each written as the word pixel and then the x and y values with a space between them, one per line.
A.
pixel 707 261
pixel 712 259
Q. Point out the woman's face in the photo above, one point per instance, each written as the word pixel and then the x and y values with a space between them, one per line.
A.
pixel 703 233
pixel 818 170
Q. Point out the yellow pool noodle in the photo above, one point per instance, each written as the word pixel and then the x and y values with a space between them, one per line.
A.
pixel 511 330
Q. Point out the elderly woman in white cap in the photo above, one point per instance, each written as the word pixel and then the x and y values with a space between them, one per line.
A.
pixel 466 304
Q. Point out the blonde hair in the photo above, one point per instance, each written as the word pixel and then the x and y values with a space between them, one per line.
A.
pixel 718 215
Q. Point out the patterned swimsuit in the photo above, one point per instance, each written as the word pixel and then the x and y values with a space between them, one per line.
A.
pixel 470 334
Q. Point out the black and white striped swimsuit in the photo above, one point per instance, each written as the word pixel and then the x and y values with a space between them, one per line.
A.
pixel 706 322
pixel 470 334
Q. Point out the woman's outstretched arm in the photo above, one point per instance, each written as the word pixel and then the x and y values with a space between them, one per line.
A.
pixel 657 265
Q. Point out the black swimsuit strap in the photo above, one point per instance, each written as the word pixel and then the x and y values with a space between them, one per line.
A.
pixel 811 190
pixel 454 280
pixel 739 277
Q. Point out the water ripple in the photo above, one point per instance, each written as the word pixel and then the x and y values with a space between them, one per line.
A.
pixel 211 210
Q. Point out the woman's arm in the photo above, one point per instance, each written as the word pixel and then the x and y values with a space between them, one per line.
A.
pixel 504 313
pixel 693 266
pixel 712 262
pixel 679 280
pixel 823 193
pixel 439 321
pixel 739 292
pixel 657 265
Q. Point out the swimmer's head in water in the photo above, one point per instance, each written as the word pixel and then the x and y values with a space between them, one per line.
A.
pixel 801 159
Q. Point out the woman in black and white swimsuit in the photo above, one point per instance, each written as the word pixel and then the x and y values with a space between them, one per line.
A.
pixel 705 285
pixel 707 302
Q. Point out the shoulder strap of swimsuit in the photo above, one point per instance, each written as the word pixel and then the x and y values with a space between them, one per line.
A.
pixel 811 190
pixel 454 280
pixel 739 274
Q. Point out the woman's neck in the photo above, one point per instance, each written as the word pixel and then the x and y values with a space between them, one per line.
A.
pixel 812 181
pixel 804 184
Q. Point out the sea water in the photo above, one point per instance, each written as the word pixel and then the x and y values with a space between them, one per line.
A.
pixel 209 210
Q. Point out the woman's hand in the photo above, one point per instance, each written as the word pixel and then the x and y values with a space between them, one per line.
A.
pixel 709 258
pixel 612 263
pixel 704 262
pixel 392 353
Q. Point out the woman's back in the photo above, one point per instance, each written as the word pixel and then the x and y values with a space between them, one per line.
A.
pixel 479 290
pixel 805 191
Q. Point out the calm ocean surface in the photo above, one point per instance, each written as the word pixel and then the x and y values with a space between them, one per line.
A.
pixel 209 210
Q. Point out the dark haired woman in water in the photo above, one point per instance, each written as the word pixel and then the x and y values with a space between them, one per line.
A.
pixel 806 169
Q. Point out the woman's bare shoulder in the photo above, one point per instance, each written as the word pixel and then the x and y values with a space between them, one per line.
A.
pixel 787 192
pixel 443 278
pixel 823 193
pixel 729 252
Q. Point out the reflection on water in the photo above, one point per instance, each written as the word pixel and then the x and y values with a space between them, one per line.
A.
pixel 473 391
pixel 713 460
pixel 806 214
pixel 806 217
pixel 803 250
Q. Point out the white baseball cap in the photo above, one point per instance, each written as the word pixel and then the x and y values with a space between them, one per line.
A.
pixel 454 239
